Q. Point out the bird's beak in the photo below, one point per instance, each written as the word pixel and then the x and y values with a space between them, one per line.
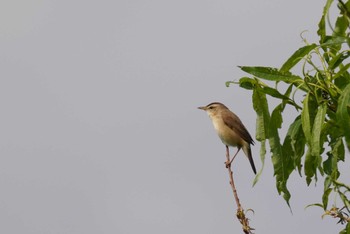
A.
pixel 202 108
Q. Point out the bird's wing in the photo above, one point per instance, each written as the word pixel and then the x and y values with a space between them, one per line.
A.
pixel 236 125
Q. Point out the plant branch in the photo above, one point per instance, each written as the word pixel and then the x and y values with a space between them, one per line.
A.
pixel 240 212
pixel 337 213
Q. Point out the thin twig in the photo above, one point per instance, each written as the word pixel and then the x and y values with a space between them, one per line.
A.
pixel 240 212
pixel 338 213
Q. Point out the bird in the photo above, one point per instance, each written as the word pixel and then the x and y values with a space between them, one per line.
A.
pixel 230 130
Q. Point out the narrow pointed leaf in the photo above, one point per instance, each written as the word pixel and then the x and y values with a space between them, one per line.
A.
pixel 263 116
pixel 316 130
pixel 341 26
pixel 331 41
pixel 343 113
pixel 280 163
pixel 322 24
pixel 313 158
pixel 341 71
pixel 273 92
pixel 296 57
pixel 294 144
pixel 273 74
pixel 262 159
pixel 338 59
pixel 325 198
pixel 305 117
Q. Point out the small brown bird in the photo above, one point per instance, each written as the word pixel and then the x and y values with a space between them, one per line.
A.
pixel 230 129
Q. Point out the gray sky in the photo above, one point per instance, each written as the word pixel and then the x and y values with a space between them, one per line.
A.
pixel 99 127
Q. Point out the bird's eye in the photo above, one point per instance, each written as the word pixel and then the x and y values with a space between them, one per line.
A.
pixel 211 107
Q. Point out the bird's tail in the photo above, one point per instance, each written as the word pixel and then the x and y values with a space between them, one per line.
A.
pixel 248 153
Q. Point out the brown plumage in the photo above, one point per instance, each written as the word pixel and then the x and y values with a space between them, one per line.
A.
pixel 230 129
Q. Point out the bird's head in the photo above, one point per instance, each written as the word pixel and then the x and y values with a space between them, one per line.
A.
pixel 213 109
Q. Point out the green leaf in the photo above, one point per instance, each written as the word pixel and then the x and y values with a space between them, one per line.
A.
pixel 247 83
pixel 276 118
pixel 273 74
pixel 261 108
pixel 346 230
pixel 244 82
pixel 288 91
pixel 338 150
pixel 333 135
pixel 296 57
pixel 315 204
pixel 325 198
pixel 327 183
pixel 309 170
pixel 294 144
pixel 316 144
pixel 342 80
pixel 313 157
pixel 344 199
pixel 262 158
pixel 281 162
pixel 262 124
pixel 306 125
pixel 335 155
pixel 341 71
pixel 338 59
pixel 308 115
pixel 328 164
pixel 340 184
pixel 322 24
pixel 344 8
pixel 273 92
pixel 340 26
pixel 343 117
pixel 333 42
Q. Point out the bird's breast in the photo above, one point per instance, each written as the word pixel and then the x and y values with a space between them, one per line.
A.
pixel 227 135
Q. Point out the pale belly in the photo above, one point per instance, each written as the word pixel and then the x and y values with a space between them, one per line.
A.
pixel 227 135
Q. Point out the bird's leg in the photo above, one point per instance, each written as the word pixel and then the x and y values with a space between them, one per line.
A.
pixel 228 162
pixel 239 148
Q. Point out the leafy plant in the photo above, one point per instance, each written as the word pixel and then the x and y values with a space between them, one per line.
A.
pixel 315 142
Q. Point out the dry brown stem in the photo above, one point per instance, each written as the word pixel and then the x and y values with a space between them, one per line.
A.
pixel 335 212
pixel 240 211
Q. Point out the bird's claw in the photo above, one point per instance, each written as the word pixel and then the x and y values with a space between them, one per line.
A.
pixel 228 164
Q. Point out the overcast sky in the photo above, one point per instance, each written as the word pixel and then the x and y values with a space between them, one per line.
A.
pixel 99 127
